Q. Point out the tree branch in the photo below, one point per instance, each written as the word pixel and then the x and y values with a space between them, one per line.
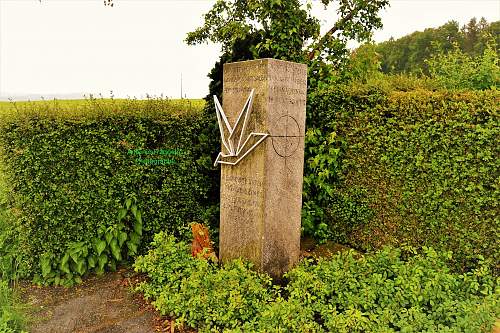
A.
pixel 337 26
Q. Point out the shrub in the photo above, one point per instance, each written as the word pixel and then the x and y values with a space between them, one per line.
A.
pixel 387 291
pixel 9 247
pixel 10 231
pixel 198 293
pixel 415 168
pixel 82 191
pixel 382 167
pixel 458 70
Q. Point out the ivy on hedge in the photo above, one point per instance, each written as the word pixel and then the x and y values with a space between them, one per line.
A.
pixel 70 175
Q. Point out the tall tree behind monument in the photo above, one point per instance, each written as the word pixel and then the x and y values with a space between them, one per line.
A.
pixel 283 30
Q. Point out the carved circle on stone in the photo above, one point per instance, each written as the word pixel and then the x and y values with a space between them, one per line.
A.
pixel 286 142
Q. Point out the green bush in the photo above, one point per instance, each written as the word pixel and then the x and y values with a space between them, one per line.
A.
pixel 388 291
pixel 82 189
pixel 415 168
pixel 9 247
pixel 458 70
pixel 383 166
pixel 198 293
pixel 10 230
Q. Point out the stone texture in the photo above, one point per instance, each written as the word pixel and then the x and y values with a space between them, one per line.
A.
pixel 261 197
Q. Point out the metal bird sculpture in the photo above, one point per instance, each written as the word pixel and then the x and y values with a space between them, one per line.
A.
pixel 233 142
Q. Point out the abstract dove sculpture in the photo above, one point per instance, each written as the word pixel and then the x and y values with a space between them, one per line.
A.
pixel 233 142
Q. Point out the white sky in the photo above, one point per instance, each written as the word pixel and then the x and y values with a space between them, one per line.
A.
pixel 59 47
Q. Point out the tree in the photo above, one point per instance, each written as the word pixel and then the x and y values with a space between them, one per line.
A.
pixel 407 54
pixel 286 29
pixel 364 63
pixel 471 35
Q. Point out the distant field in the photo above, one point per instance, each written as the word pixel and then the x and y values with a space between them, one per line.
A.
pixel 76 103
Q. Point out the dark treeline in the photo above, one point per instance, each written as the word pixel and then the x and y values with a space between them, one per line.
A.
pixel 407 54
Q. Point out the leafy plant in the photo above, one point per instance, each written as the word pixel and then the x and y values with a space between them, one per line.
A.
pixel 286 29
pixel 11 236
pixel 458 70
pixel 322 170
pixel 11 259
pixel 199 293
pixel 112 245
pixel 414 168
pixel 408 53
pixel 387 291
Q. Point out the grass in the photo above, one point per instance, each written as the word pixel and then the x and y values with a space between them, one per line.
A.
pixel 80 103
pixel 12 317
pixel 11 311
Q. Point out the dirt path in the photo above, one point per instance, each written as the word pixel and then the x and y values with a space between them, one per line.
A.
pixel 100 304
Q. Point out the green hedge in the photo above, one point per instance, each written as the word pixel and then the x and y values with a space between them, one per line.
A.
pixel 416 168
pixel 80 196
pixel 383 167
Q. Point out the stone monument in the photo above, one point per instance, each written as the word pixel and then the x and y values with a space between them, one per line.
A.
pixel 262 125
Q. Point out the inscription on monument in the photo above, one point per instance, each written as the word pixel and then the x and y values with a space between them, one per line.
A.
pixel 242 195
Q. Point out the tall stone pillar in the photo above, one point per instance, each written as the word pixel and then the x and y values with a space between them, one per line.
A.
pixel 261 192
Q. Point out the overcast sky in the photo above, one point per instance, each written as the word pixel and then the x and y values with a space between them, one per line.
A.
pixel 80 46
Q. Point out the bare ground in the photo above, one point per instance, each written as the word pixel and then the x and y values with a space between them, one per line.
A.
pixel 102 304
